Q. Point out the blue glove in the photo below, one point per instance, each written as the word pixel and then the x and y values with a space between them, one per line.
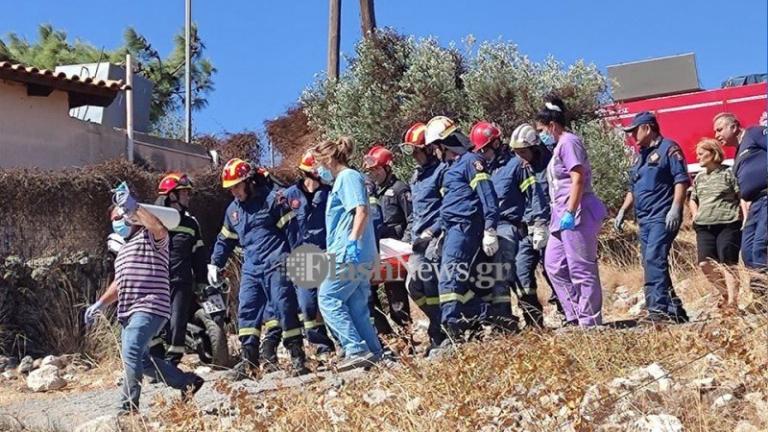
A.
pixel 352 253
pixel 123 199
pixel 92 311
pixel 567 222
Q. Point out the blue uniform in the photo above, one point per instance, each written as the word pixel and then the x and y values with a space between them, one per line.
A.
pixel 258 225
pixel 307 227
pixel 750 167
pixel 468 208
pixel 656 171
pixel 422 276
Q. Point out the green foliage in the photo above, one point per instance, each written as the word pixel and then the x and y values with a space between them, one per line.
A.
pixel 167 74
pixel 610 158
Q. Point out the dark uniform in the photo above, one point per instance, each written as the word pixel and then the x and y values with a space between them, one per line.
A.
pixel 656 171
pixel 422 277
pixel 469 207
pixel 259 226
pixel 394 199
pixel 374 302
pixel 751 169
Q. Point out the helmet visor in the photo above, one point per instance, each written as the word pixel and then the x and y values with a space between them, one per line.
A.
pixel 406 149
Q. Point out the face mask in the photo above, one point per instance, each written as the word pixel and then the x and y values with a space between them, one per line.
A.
pixel 325 175
pixel 121 228
pixel 546 138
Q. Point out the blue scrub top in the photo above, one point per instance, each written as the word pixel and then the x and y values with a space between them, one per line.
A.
pixel 347 194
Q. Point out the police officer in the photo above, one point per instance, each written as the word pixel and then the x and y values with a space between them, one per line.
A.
pixel 507 176
pixel 659 179
pixel 394 198
pixel 751 169
pixel 188 259
pixel 468 215
pixel 535 157
pixel 256 220
pixel 425 187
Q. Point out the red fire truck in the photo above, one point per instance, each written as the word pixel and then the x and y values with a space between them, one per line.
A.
pixel 685 117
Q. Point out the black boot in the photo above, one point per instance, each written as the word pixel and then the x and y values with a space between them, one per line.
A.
pixel 248 363
pixel 533 312
pixel 269 354
pixel 298 359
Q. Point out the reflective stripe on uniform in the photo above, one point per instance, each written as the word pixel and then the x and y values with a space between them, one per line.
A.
pixel 183 229
pixel 271 324
pixel 312 324
pixel 373 201
pixel 428 301
pixel 530 181
pixel 442 191
pixel 291 333
pixel 448 297
pixel 197 245
pixel 421 301
pixel 248 331
pixel 285 219
pixel 227 233
pixel 502 299
pixel 175 349
pixel 478 178
pixel 301 317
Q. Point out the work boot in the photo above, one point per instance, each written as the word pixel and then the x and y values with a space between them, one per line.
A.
pixel 269 355
pixel 298 358
pixel 533 312
pixel 249 362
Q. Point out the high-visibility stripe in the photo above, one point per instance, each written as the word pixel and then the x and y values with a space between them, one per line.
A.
pixel 301 317
pixel 175 349
pixel 291 333
pixel 427 301
pixel 421 301
pixel 312 324
pixel 502 299
pixel 373 201
pixel 285 219
pixel 271 324
pixel 183 229
pixel 248 331
pixel 442 191
pixel 448 297
pixel 197 245
pixel 227 233
pixel 478 178
pixel 530 181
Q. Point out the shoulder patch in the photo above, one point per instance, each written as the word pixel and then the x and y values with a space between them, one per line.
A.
pixel 389 192
pixel 234 217
pixel 675 152
pixel 654 157
pixel 295 204
pixel 479 166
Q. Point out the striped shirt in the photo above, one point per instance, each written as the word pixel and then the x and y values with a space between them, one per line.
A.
pixel 717 195
pixel 141 272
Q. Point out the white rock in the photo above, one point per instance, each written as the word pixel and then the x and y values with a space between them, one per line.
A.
pixel 26 365
pixel 107 423
pixel 10 374
pixel 413 404
pixel 713 360
pixel 376 396
pixel 657 423
pixel 44 379
pixel 590 401
pixel 660 375
pixel 203 370
pixel 639 307
pixel 723 401
pixel 745 426
pixel 622 384
pixel 51 360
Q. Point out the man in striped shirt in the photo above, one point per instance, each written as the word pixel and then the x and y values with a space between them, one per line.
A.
pixel 141 289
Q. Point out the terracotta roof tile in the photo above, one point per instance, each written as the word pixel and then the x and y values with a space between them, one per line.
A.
pixel 61 76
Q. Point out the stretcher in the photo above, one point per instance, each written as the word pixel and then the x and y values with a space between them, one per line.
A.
pixel 393 261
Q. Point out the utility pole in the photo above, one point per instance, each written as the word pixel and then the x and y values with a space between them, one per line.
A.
pixel 187 70
pixel 129 107
pixel 367 17
pixel 334 38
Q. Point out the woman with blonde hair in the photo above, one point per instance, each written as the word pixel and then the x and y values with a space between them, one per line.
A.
pixel 343 295
pixel 714 205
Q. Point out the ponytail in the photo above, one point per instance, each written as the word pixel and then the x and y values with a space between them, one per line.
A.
pixel 340 150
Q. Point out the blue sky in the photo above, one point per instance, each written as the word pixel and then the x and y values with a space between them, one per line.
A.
pixel 267 51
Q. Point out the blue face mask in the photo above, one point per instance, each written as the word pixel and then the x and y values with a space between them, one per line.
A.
pixel 121 228
pixel 547 139
pixel 325 175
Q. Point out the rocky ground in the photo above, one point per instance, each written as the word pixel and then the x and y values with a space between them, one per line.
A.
pixel 707 375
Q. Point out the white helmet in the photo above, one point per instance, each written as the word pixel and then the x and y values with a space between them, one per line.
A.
pixel 439 128
pixel 524 136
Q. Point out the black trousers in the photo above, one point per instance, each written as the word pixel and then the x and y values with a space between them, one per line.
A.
pixel 182 296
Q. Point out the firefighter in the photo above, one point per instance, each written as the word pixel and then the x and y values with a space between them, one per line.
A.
pixel 534 157
pixel 188 259
pixel 508 177
pixel 425 229
pixel 468 215
pixel 379 320
pixel 750 170
pixel 394 198
pixel 257 220
pixel 659 180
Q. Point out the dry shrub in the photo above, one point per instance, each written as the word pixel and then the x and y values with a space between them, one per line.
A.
pixel 291 136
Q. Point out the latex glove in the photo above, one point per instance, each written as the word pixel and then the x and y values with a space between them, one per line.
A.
pixel 420 244
pixel 352 252
pixel 427 234
pixel 490 242
pixel 674 216
pixel 539 237
pixel 124 200
pixel 92 311
pixel 567 222
pixel 618 223
pixel 115 242
pixel 213 275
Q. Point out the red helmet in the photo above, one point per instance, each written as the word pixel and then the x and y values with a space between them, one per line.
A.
pixel 307 163
pixel 415 137
pixel 235 171
pixel 483 133
pixel 174 181
pixel 378 156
